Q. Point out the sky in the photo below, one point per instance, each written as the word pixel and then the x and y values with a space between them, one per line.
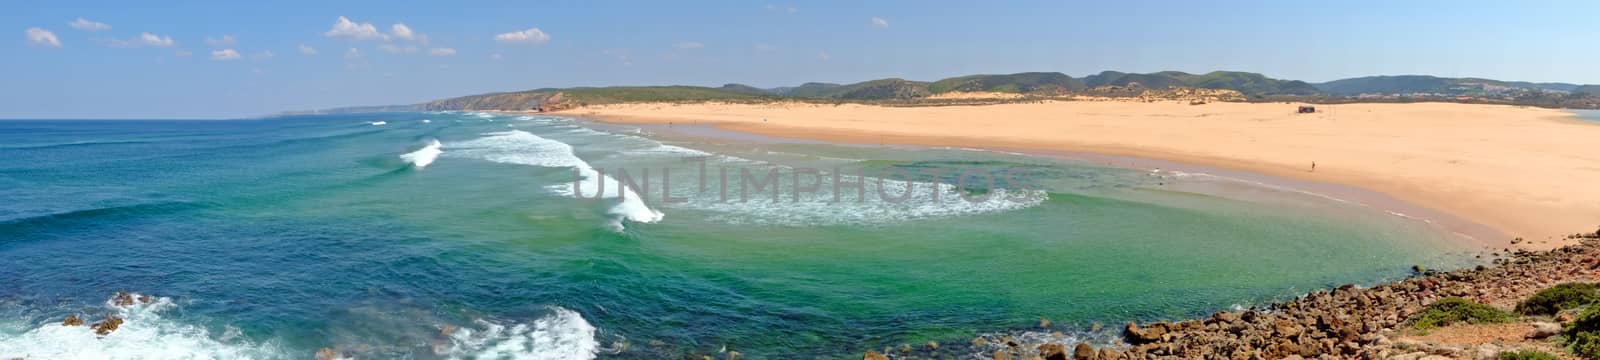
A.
pixel 233 59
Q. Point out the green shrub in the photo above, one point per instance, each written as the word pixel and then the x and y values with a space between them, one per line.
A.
pixel 1452 310
pixel 1583 335
pixel 1560 297
pixel 1526 355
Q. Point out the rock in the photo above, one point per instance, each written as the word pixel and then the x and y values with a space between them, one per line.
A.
pixel 979 342
pixel 874 355
pixel 1563 318
pixel 1002 355
pixel 904 348
pixel 1543 330
pixel 1095 327
pixel 1107 354
pixel 72 320
pixel 1083 352
pixel 1136 336
pixel 1488 352
pixel 122 298
pixel 733 355
pixel 447 330
pixel 326 354
pixel 933 345
pixel 106 326
pixel 1044 323
pixel 1053 352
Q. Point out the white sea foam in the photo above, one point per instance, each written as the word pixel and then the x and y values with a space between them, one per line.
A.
pixel 483 115
pixel 562 335
pixel 424 156
pixel 525 148
pixel 425 121
pixel 379 123
pixel 866 207
pixel 143 334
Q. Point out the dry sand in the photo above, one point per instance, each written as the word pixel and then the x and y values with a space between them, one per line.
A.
pixel 1527 172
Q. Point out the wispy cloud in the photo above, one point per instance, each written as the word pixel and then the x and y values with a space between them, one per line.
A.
pixel 42 37
pixel 346 29
pixel 787 8
pixel 225 55
pixel 266 54
pixel 620 54
pixel 442 52
pixel 352 54
pixel 307 50
pixel 823 56
pixel 225 40
pixel 880 23
pixel 144 40
pixel 87 25
pixel 689 45
pixel 398 49
pixel 496 56
pixel 529 36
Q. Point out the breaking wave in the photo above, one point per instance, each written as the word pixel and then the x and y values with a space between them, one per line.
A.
pixel 562 335
pixel 424 156
pixel 143 334
pixel 524 148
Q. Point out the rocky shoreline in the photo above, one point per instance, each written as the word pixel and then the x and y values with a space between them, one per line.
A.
pixel 1347 322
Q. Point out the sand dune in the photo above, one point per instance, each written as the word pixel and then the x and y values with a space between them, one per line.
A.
pixel 1525 171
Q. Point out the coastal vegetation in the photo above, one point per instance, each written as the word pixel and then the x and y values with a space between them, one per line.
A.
pixel 1454 310
pixel 1036 86
pixel 1557 298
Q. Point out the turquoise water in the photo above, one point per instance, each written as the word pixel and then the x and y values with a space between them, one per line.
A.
pixel 457 235
pixel 1588 115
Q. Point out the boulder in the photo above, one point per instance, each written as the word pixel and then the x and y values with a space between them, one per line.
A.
pixel 1083 352
pixel 874 355
pixel 106 326
pixel 1053 352
pixel 1543 330
pixel 72 320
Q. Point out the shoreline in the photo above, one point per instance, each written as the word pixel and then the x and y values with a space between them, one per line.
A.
pixel 1480 236
pixel 1447 179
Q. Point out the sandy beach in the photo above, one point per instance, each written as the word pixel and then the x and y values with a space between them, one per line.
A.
pixel 1522 171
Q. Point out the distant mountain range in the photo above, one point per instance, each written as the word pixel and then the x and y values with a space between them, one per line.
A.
pixel 1043 84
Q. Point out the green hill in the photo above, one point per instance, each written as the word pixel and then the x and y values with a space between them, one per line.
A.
pixel 1022 83
pixel 882 89
pixel 1250 84
pixel 807 90
pixel 1424 84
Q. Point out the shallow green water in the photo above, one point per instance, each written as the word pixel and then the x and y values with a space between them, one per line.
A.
pixel 275 238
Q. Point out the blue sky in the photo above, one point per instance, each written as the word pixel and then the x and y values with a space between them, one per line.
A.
pixel 222 59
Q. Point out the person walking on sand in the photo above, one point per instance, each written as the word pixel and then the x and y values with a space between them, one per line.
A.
pixel 1313 166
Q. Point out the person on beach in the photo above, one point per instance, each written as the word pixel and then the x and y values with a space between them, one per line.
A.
pixel 1313 166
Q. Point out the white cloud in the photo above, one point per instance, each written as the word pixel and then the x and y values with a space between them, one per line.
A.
pixel 824 56
pixel 621 54
pixel 442 52
pixel 880 23
pixel 267 54
pixel 87 25
pixel 225 40
pixel 42 37
pixel 307 50
pixel 352 54
pixel 689 45
pixel 397 49
pixel 403 32
pixel 144 39
pixel 789 9
pixel 346 29
pixel 529 36
pixel 225 55
pixel 765 47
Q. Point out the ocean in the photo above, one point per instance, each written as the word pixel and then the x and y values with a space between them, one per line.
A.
pixel 476 235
